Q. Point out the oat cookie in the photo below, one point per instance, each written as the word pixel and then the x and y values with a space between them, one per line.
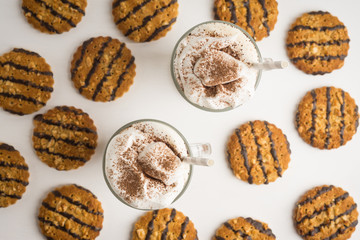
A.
pixel 326 212
pixel 70 212
pixel 257 17
pixel 54 16
pixel 64 138
pixel 327 117
pixel 317 43
pixel 103 69
pixel 26 81
pixel 145 20
pixel 164 224
pixel 14 175
pixel 258 152
pixel 244 228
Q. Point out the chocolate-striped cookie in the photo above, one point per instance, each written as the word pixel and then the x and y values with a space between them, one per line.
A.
pixel 327 117
pixel 164 224
pixel 103 69
pixel 54 16
pixel 145 20
pixel 14 175
pixel 64 138
pixel 243 228
pixel 26 81
pixel 257 17
pixel 258 152
pixel 71 212
pixel 326 212
pixel 317 43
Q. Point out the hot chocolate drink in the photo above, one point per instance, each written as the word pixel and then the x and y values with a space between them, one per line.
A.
pixel 213 65
pixel 143 164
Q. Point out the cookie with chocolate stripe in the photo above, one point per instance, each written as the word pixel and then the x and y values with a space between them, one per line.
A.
pixel 244 228
pixel 103 69
pixel 64 138
pixel 14 175
pixel 54 16
pixel 26 81
pixel 145 20
pixel 70 212
pixel 327 117
pixel 317 43
pixel 257 17
pixel 258 152
pixel 326 212
pixel 164 224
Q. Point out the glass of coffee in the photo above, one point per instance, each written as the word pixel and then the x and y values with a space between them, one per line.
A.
pixel 144 164
pixel 213 66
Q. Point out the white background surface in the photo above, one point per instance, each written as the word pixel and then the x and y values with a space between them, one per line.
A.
pixel 214 194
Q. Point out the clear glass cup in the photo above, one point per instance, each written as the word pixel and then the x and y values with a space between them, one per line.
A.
pixel 193 150
pixel 259 71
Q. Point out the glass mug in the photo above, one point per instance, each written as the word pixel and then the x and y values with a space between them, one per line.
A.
pixel 186 52
pixel 132 140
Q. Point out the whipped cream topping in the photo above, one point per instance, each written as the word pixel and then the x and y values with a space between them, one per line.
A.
pixel 197 60
pixel 143 165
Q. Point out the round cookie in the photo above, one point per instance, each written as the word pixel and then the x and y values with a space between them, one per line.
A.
pixel 257 17
pixel 327 117
pixel 326 212
pixel 258 152
pixel 26 81
pixel 165 224
pixel 103 69
pixel 54 16
pixel 243 228
pixel 70 212
pixel 64 137
pixel 317 43
pixel 14 175
pixel 145 20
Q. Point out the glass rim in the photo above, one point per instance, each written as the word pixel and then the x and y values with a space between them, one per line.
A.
pixel 186 185
pixel 258 78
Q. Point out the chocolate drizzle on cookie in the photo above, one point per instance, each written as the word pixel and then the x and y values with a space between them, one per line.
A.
pixel 150 226
pixel 273 150
pixel 265 21
pixel 14 175
pixel 145 20
pixel 258 153
pixel 232 10
pixel 73 218
pixel 330 124
pixel 248 17
pixel 25 68
pixel 321 191
pixel 98 76
pixel 183 228
pixel 244 155
pixel 67 143
pixel 260 227
pixel 53 17
pixel 306 46
pixel 324 208
pixel 95 63
pixel 165 231
pixel 237 231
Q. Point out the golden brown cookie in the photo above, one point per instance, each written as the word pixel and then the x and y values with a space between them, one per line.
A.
pixel 14 175
pixel 327 117
pixel 258 152
pixel 326 212
pixel 317 43
pixel 71 212
pixel 103 69
pixel 145 20
pixel 244 228
pixel 54 16
pixel 257 17
pixel 64 137
pixel 26 81
pixel 164 224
